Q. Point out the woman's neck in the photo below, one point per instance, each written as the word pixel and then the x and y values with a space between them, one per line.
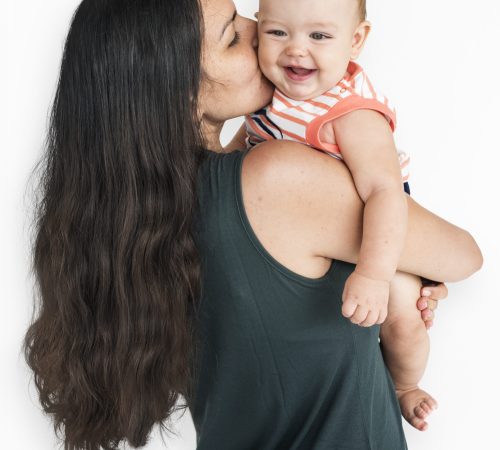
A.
pixel 211 134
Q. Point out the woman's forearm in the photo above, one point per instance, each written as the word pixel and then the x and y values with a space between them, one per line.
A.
pixel 437 249
pixel 433 248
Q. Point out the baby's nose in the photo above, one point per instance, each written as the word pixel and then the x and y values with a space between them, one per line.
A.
pixel 295 49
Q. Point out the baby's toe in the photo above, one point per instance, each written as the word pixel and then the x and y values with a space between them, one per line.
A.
pixel 418 423
pixel 420 411
pixel 426 407
pixel 423 426
pixel 433 404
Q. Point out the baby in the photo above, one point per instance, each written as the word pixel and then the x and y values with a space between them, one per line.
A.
pixel 325 100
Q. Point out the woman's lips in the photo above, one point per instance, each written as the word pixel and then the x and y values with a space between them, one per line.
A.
pixel 298 73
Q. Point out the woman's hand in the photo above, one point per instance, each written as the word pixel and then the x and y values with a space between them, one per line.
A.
pixel 428 302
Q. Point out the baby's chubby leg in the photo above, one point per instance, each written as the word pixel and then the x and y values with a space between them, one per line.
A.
pixel 405 346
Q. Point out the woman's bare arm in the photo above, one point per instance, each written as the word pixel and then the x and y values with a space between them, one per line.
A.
pixel 314 195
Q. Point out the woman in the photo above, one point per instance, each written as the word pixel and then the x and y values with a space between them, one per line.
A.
pixel 165 266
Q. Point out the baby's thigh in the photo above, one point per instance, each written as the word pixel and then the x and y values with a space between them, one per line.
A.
pixel 403 296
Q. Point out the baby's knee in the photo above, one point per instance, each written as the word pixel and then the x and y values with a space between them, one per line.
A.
pixel 405 286
pixel 403 296
pixel 409 327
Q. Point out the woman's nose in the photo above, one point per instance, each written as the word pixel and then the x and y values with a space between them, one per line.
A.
pixel 255 41
pixel 251 30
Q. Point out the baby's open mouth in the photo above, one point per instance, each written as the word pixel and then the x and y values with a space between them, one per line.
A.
pixel 298 73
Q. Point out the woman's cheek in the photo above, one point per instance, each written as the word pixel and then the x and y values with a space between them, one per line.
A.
pixel 248 68
pixel 252 59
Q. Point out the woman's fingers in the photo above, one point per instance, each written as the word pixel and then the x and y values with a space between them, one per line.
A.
pixel 429 301
pixel 432 304
pixel 427 317
pixel 437 292
pixel 427 314
pixel 422 303
pixel 425 302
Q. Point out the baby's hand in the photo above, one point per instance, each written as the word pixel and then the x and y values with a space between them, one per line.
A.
pixel 365 300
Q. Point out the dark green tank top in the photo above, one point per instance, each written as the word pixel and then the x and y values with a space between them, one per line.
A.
pixel 279 366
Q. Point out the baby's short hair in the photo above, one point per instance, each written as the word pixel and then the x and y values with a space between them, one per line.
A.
pixel 362 10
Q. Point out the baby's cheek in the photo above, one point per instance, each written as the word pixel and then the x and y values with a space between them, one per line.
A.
pixel 267 64
pixel 272 73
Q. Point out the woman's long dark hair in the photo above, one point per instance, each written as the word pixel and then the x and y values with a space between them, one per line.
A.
pixel 117 273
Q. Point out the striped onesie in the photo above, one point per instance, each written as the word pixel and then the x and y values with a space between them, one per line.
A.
pixel 301 120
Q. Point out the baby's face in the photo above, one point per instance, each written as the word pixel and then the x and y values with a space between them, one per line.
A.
pixel 305 45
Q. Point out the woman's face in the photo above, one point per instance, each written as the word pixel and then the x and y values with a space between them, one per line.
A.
pixel 233 84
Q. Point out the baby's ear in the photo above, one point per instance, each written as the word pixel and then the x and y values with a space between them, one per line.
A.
pixel 359 38
pixel 256 15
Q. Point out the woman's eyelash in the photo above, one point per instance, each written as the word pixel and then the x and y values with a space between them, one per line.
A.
pixel 236 39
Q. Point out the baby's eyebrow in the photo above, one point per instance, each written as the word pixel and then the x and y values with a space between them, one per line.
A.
pixel 272 21
pixel 231 20
pixel 324 25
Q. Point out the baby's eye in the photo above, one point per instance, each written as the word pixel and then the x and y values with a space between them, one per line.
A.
pixel 279 33
pixel 319 36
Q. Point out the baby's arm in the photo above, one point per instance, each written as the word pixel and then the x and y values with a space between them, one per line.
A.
pixel 367 145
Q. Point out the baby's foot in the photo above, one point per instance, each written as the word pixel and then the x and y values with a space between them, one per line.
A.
pixel 416 405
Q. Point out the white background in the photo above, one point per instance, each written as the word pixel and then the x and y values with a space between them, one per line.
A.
pixel 438 62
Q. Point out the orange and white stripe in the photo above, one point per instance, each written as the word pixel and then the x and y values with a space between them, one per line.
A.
pixel 301 120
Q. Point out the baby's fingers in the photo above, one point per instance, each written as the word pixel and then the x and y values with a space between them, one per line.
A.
pixel 371 319
pixel 360 315
pixel 382 316
pixel 348 308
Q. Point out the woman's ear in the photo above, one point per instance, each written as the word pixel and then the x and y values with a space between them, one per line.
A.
pixel 359 38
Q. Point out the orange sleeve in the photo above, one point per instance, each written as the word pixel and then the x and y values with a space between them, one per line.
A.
pixel 345 106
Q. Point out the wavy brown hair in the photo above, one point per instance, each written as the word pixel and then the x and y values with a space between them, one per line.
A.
pixel 112 338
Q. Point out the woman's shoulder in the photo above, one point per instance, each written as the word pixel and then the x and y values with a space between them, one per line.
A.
pixel 285 155
pixel 272 162
pixel 294 175
pixel 297 200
